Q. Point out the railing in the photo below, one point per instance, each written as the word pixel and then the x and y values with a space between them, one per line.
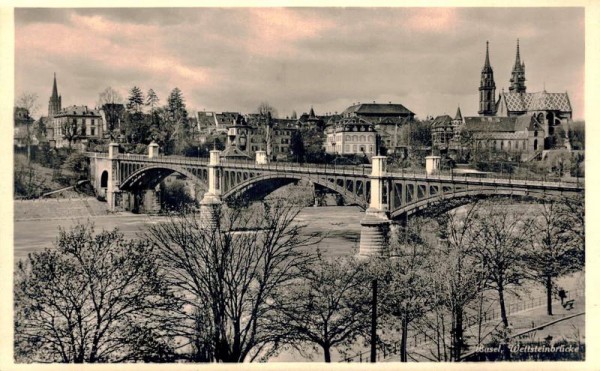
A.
pixel 420 338
pixel 447 176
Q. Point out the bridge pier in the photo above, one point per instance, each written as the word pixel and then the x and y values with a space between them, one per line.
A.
pixel 375 224
pixel 113 193
pixel 211 203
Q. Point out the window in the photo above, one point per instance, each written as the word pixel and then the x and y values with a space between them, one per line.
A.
pixel 92 131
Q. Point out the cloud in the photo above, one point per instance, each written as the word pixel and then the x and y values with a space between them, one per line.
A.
pixel 428 59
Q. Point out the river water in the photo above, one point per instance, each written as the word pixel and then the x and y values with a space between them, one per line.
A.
pixel 341 226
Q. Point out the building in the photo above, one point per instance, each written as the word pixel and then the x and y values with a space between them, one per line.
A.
pixel 516 122
pixel 446 131
pixel 375 111
pixel 209 122
pixel 76 125
pixel 351 136
pixel 381 120
pixel 514 135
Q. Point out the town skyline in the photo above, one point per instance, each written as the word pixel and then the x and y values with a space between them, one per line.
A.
pixel 295 58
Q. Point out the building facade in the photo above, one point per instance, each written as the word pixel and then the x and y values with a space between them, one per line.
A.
pixel 351 136
pixel 76 125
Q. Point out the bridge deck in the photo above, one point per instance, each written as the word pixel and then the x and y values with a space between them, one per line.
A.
pixel 351 171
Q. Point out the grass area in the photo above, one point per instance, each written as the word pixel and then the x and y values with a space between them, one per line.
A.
pixel 32 180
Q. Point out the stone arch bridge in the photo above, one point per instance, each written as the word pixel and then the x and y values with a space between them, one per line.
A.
pixel 383 195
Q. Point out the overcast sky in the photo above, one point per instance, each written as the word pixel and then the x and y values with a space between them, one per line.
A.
pixel 231 59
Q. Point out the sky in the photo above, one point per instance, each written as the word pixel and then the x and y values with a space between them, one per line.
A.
pixel 232 59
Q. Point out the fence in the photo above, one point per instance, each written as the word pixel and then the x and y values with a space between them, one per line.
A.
pixel 447 175
pixel 421 338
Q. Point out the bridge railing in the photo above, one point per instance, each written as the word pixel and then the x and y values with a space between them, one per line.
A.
pixel 363 171
pixel 493 179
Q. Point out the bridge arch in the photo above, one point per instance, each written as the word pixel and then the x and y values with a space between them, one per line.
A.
pixel 258 186
pixel 464 197
pixel 150 176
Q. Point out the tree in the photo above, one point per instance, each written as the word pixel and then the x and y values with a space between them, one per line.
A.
pixel 137 125
pixel 552 254
pixel 501 238
pixel 111 103
pixel 264 108
pixel 95 298
pixel 406 291
pixel 230 272
pixel 151 100
pixel 329 307
pixel 297 146
pixel 77 163
pixel 178 118
pixel 456 278
pixel 28 101
pixel 135 101
pixel 576 135
pixel 70 130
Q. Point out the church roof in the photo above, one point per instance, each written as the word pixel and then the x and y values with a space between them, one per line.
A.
pixel 490 123
pixel 378 109
pixel 540 101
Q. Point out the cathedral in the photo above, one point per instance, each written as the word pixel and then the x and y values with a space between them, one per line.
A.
pixel 517 122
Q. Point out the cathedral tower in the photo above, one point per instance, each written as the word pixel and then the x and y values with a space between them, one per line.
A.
pixel 487 89
pixel 517 81
pixel 55 103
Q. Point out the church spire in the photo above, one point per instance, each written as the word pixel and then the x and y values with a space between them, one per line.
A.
pixel 458 116
pixel 54 88
pixel 518 57
pixel 487 87
pixel 487 56
pixel 517 81
pixel 54 104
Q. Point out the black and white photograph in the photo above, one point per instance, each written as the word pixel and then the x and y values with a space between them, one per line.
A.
pixel 293 184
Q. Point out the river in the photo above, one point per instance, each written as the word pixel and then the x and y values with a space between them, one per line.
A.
pixel 341 226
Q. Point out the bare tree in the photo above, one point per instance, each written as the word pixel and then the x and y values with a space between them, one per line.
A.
pixel 95 298
pixel 229 274
pixel 553 253
pixel 28 101
pixel 111 102
pixel 329 307
pixel 406 292
pixel 457 278
pixel 70 130
pixel 265 108
pixel 502 239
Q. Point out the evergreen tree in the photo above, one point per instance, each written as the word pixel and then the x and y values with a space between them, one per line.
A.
pixel 135 100
pixel 178 118
pixel 151 99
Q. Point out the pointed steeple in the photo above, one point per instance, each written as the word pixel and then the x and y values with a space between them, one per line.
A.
pixel 54 104
pixel 487 87
pixel 458 115
pixel 518 57
pixel 517 81
pixel 311 114
pixel 487 65
pixel 54 88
